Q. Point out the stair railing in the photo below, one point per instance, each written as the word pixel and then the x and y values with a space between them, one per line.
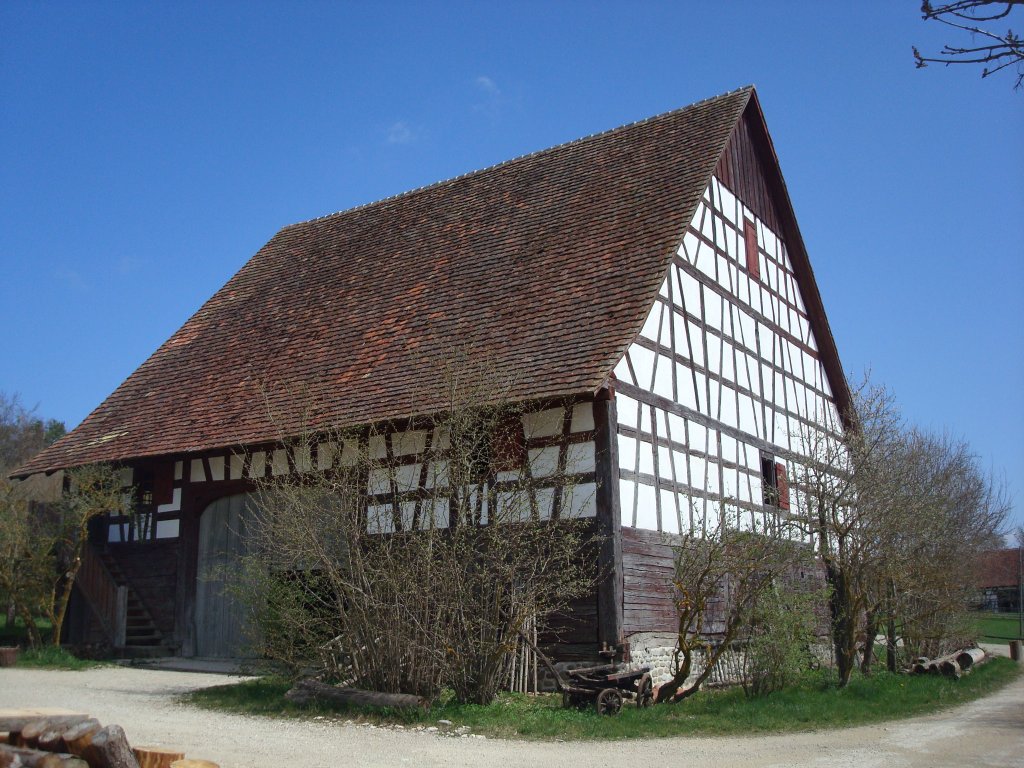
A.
pixel 108 599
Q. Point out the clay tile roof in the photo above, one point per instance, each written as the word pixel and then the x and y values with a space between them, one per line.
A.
pixel 998 568
pixel 544 266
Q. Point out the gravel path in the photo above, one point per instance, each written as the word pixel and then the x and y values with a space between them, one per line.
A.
pixel 988 732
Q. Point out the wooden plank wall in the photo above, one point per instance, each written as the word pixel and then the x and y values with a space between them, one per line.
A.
pixel 647 571
pixel 740 169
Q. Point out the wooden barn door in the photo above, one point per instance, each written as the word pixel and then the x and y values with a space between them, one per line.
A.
pixel 222 625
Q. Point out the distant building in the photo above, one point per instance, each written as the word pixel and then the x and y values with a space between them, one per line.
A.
pixel 998 580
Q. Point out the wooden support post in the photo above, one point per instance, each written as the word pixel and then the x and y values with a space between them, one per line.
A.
pixel 609 522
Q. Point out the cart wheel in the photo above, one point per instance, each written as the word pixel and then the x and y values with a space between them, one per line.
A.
pixel 609 702
pixel 645 691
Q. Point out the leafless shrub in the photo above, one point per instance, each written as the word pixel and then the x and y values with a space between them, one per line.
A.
pixel 407 560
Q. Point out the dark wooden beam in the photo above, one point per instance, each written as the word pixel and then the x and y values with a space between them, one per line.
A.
pixel 609 522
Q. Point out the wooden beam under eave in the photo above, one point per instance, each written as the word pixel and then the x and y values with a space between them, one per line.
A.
pixel 609 522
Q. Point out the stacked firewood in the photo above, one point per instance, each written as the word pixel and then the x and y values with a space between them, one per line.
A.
pixel 78 741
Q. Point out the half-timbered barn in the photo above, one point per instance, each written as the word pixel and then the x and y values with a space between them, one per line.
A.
pixel 645 291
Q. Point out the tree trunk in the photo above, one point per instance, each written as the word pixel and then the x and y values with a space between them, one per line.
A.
pixel 891 661
pixel 844 638
pixel 870 632
pixel 12 612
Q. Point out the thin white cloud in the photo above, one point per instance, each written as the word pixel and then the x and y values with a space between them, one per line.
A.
pixel 71 278
pixel 400 133
pixel 491 102
pixel 484 83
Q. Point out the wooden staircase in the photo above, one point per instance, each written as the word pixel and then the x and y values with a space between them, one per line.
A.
pixel 125 620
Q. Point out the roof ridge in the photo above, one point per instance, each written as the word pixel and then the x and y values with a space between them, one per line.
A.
pixel 517 158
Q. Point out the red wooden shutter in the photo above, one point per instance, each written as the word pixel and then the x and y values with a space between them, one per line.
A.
pixel 750 240
pixel 782 484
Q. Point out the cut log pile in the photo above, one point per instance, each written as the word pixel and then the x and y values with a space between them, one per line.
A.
pixel 78 741
pixel 952 665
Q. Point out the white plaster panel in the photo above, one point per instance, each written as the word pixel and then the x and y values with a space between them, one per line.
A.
pixel 349 453
pixel 669 512
pixel 409 443
pixel 645 452
pixel 627 411
pixel 377 447
pixel 647 511
pixel 437 474
pixel 653 322
pixel 582 417
pixel 543 461
pixel 627 498
pixel 545 502
pixel 663 377
pixel 178 468
pixel 643 365
pixel 301 455
pixel 279 462
pixel 407 477
pixel 196 473
pixel 579 457
pixel 545 423
pixel 175 503
pixel 580 501
pixel 627 452
pixel 167 529
pixel 325 455
pixel 379 519
pixel 216 467
pixel 258 464
pixel 236 466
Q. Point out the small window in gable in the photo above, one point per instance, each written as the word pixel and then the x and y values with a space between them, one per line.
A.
pixel 774 483
pixel 750 241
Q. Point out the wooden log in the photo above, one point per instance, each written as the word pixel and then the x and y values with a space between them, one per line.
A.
pixel 52 740
pixel 307 691
pixel 13 723
pixel 32 731
pixel 5 737
pixel 79 737
pixel 194 764
pixel 949 668
pixel 969 657
pixel 110 749
pixel 18 757
pixel 157 757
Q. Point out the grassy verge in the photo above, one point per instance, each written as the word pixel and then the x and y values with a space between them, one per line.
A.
pixel 998 627
pixel 49 657
pixel 814 704
pixel 17 634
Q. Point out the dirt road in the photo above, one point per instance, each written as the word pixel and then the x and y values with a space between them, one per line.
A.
pixel 989 732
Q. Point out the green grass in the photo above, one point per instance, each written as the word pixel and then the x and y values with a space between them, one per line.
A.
pixel 49 657
pixel 17 634
pixel 814 704
pixel 998 627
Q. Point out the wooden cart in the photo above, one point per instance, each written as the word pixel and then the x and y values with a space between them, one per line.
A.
pixel 607 686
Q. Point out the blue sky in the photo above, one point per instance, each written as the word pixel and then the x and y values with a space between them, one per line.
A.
pixel 148 150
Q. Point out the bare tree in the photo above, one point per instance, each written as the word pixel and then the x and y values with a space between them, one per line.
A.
pixel 41 544
pixel 991 47
pixel 721 580
pixel 406 569
pixel 899 517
